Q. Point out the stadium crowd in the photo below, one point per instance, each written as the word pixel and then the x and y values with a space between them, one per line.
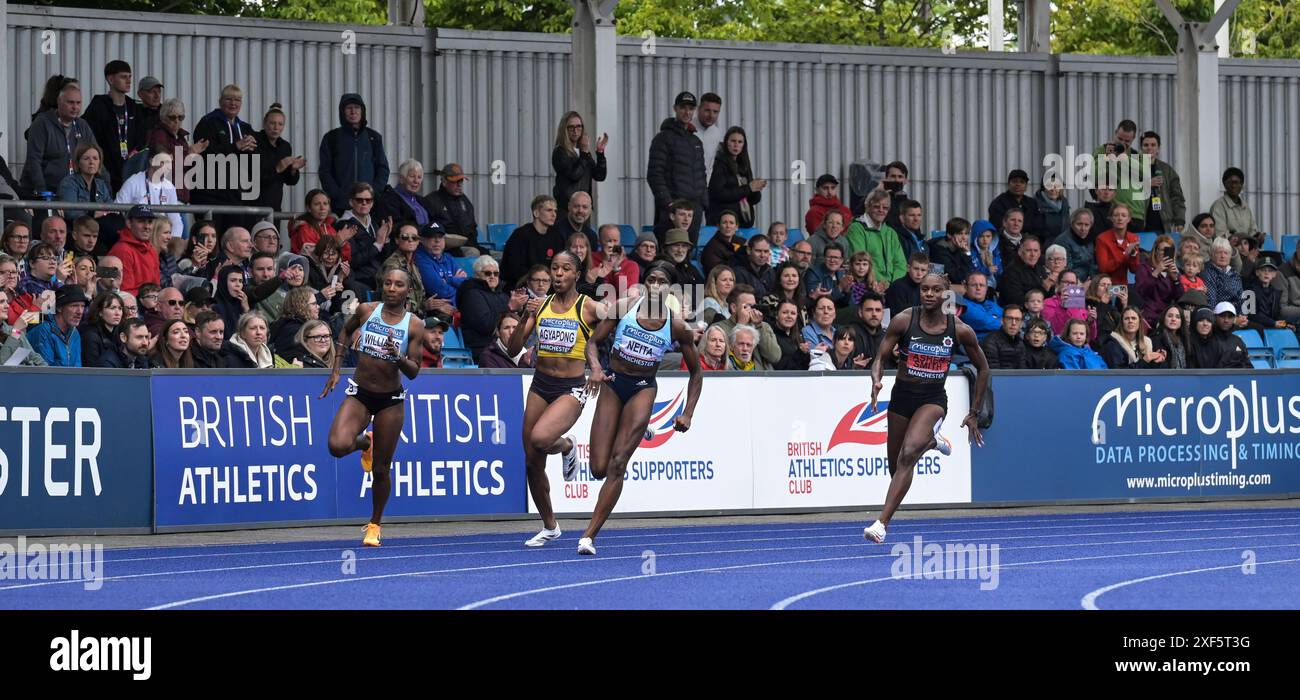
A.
pixel 1043 286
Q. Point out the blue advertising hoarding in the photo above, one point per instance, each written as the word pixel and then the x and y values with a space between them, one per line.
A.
pixel 244 449
pixel 1130 435
pixel 74 451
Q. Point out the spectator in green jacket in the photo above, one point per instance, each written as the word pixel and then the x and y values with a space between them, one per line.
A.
pixel 870 233
pixel 1129 176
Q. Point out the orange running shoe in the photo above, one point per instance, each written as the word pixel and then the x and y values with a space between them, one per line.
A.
pixel 372 535
pixel 368 454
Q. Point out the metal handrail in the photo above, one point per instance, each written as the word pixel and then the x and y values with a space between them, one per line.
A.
pixel 263 212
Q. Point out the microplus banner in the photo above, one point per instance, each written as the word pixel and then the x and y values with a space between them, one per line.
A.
pixel 1132 435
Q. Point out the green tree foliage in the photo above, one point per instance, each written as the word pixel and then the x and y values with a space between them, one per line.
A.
pixel 1260 28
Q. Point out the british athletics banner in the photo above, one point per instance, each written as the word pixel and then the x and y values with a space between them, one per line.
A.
pixel 1129 435
pixel 704 469
pixel 768 442
pixel 827 448
pixel 74 451
pixel 238 449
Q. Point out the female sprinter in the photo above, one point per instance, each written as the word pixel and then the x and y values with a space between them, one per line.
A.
pixel 560 389
pixel 918 402
pixel 644 328
pixel 389 342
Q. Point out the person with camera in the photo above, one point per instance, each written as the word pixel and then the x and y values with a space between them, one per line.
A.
pixel 1118 166
pixel 1159 283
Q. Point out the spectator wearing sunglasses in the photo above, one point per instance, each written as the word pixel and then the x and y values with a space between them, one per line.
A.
pixel 171 307
pixel 481 302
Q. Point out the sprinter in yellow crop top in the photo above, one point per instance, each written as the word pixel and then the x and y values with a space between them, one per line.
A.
pixel 563 322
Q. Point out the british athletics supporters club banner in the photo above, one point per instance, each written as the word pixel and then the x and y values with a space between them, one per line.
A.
pixel 244 450
pixel 770 443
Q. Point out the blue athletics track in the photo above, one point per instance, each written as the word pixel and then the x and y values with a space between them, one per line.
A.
pixel 1230 557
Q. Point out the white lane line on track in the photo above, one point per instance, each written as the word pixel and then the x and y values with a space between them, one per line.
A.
pixel 1089 602
pixel 787 602
pixel 335 562
pixel 310 584
pixel 497 599
pixel 749 530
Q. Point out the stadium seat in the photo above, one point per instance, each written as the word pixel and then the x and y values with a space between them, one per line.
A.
pixel 1262 362
pixel 938 234
pixel 1289 364
pixel 1283 342
pixel 466 264
pixel 793 235
pixel 1270 245
pixel 452 340
pixel 1253 341
pixel 648 228
pixel 1177 238
pixel 706 234
pixel 747 233
pixel 498 234
pixel 457 359
pixel 627 234
pixel 1147 240
pixel 1289 245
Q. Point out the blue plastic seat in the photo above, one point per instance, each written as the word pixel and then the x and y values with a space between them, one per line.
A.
pixel 626 234
pixel 706 234
pixel 1289 246
pixel 1293 363
pixel 1262 362
pixel 1270 245
pixel 498 234
pixel 748 233
pixel 1283 342
pixel 453 340
pixel 793 235
pixel 1147 240
pixel 1252 339
pixel 466 264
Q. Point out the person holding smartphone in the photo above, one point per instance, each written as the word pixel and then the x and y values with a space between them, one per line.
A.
pixel 1118 250
pixel 1159 283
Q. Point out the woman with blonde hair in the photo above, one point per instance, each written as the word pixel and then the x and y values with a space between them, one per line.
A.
pixel 247 348
pixel 161 238
pixel 717 288
pixel 575 167
pixel 313 346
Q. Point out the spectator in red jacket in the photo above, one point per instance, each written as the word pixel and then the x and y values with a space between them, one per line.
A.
pixel 826 199
pixel 136 251
pixel 1117 248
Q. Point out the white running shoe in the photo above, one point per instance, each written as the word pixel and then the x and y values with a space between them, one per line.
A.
pixel 942 445
pixel 543 537
pixel 875 533
pixel 570 458
pixel 585 546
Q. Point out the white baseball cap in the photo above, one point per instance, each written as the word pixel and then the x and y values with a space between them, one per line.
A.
pixel 1225 307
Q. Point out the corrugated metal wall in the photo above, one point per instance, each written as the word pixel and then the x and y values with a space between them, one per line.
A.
pixel 961 122
pixel 303 67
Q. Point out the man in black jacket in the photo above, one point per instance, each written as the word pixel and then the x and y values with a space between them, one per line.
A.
pixel 1024 272
pixel 534 243
pixel 677 250
pixel 132 349
pixel 1004 348
pixel 227 135
pixel 209 331
pixel 753 266
pixel 115 120
pixel 953 252
pixel 577 217
pixel 449 206
pixel 905 292
pixel 675 168
pixel 1016 198
pixel 867 329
